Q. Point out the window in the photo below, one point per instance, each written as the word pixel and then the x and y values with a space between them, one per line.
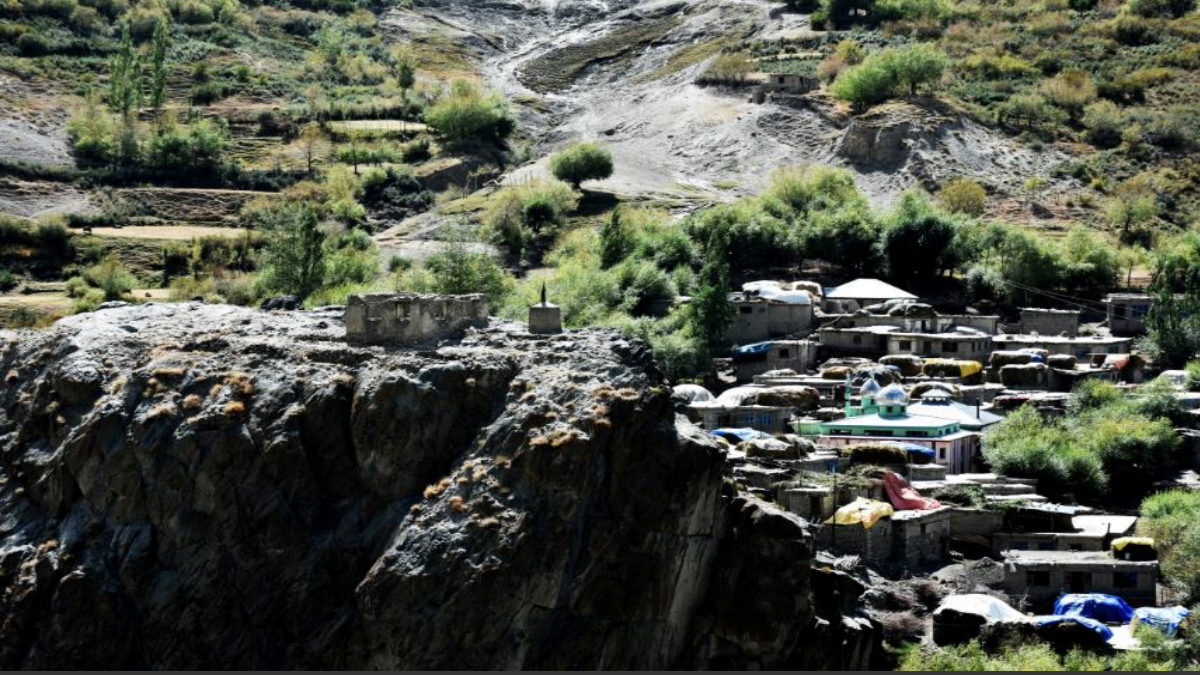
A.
pixel 839 432
pixel 857 340
pixel 879 432
pixel 1125 579
pixel 942 454
pixel 1080 582
pixel 949 346
pixel 1119 311
pixel 917 434
pixel 906 345
pixel 785 353
pixel 747 310
pixel 1037 579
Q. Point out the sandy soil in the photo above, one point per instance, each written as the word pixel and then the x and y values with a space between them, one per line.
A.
pixel 167 232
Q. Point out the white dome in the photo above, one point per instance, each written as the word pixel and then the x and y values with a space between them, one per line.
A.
pixel 869 388
pixel 893 394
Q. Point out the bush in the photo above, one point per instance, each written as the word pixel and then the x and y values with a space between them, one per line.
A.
pixel 1192 382
pixel 520 216
pixel 1170 9
pixel 886 72
pixel 294 261
pixel 111 278
pixel 864 86
pixel 731 69
pixel 582 162
pixel 1105 122
pixel 1070 90
pixel 54 241
pixel 8 280
pixel 917 241
pixel 1172 519
pixel 467 114
pixel 1026 446
pixel 963 195
pixel 459 270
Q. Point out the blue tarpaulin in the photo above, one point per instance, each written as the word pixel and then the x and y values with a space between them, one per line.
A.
pixel 1091 624
pixel 1097 606
pixel 751 352
pixel 739 435
pixel 1166 619
pixel 915 448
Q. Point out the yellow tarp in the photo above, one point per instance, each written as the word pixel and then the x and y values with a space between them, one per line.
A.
pixel 861 510
pixel 965 368
pixel 1120 544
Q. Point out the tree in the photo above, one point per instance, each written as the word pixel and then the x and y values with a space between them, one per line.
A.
pixel 918 242
pixel 1071 90
pixel 712 313
pixel 883 73
pixel 616 242
pixel 294 259
pixel 312 144
pixel 125 81
pixel 582 162
pixel 158 66
pixel 1171 9
pixel 404 68
pixel 915 65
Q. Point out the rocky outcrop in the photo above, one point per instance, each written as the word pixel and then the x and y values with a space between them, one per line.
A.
pixel 196 486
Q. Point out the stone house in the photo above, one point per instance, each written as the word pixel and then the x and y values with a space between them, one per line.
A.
pixel 1042 576
pixel 1036 321
pixel 1127 312
pixel 794 355
pixel 758 318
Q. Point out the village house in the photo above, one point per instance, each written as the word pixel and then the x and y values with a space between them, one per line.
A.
pixel 1081 347
pixel 861 293
pixel 754 360
pixel 767 419
pixel 1085 533
pixel 1042 576
pixel 766 310
pixel 910 329
pixel 1127 312
pixel 1036 321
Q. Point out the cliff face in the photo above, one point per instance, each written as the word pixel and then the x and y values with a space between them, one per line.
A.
pixel 190 486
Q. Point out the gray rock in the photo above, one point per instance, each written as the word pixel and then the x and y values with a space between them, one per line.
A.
pixel 230 488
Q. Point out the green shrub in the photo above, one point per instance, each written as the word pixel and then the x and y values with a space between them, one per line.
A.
pixel 294 261
pixel 582 162
pixel 963 195
pixel 1192 382
pixel 1172 519
pixel 467 114
pixel 8 280
pixel 91 299
pixel 113 279
pixel 54 240
pixel 1105 122
pixel 887 72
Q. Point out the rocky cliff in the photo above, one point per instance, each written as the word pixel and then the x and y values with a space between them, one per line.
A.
pixel 194 486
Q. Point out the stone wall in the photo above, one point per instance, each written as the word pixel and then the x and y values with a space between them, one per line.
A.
pixel 1050 322
pixel 412 318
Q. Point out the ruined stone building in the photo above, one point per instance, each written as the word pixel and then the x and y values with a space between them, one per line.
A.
pixel 412 318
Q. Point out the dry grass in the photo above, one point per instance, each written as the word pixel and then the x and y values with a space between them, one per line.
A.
pixel 458 504
pixel 240 383
pixel 437 489
pixel 192 402
pixel 235 408
pixel 12 376
pixel 162 410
